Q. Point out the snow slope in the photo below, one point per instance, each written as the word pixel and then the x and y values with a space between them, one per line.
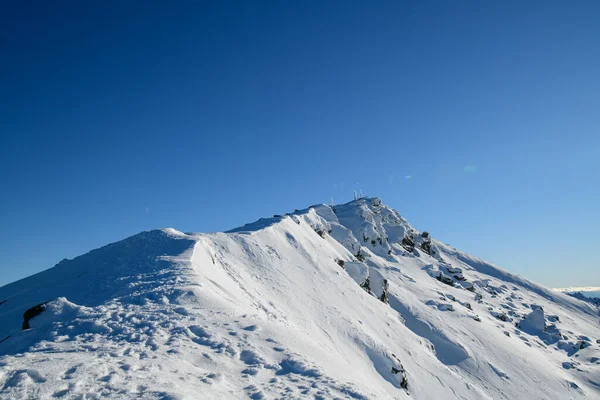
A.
pixel 327 302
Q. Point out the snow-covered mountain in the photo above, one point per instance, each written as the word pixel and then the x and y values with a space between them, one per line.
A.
pixel 348 301
pixel 583 297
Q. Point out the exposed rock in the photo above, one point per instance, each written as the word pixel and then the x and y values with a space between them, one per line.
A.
pixel 408 242
pixel 384 296
pixel 426 246
pixel 404 381
pixel 501 316
pixel 459 277
pixel 340 263
pixel 31 313
pixel 366 285
pixel 445 279
pixel 567 365
pixel 553 318
pixel 453 270
pixel 582 344
pixel 573 385
pixel 425 234
pixel 445 307
pixel 399 369
pixel 360 256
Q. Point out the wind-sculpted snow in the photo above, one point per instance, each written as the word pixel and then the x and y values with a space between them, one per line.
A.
pixel 448 352
pixel 346 302
pixel 131 268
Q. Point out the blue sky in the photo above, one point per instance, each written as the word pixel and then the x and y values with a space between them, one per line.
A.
pixel 117 118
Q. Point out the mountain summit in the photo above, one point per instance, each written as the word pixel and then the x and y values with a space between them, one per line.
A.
pixel 327 302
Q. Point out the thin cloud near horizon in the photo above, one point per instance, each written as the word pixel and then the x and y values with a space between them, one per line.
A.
pixel 579 289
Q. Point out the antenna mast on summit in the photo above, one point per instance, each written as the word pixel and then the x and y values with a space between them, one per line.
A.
pixel 360 197
pixel 355 195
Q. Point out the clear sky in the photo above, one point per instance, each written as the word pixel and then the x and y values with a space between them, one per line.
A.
pixel 117 117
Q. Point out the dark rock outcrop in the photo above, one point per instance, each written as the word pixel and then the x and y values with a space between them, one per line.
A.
pixel 31 313
pixel 366 285
pixel 360 256
pixel 384 296
pixel 399 369
pixel 501 317
pixel 445 279
pixel 426 246
pixel 460 277
pixel 408 242
pixel 582 344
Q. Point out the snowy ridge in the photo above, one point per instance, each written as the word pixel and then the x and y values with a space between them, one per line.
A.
pixel 348 301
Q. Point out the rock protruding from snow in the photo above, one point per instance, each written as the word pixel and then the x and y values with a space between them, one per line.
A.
pixel 398 369
pixel 424 242
pixel 408 242
pixel 32 313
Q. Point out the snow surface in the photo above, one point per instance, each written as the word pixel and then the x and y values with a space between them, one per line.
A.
pixel 326 302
